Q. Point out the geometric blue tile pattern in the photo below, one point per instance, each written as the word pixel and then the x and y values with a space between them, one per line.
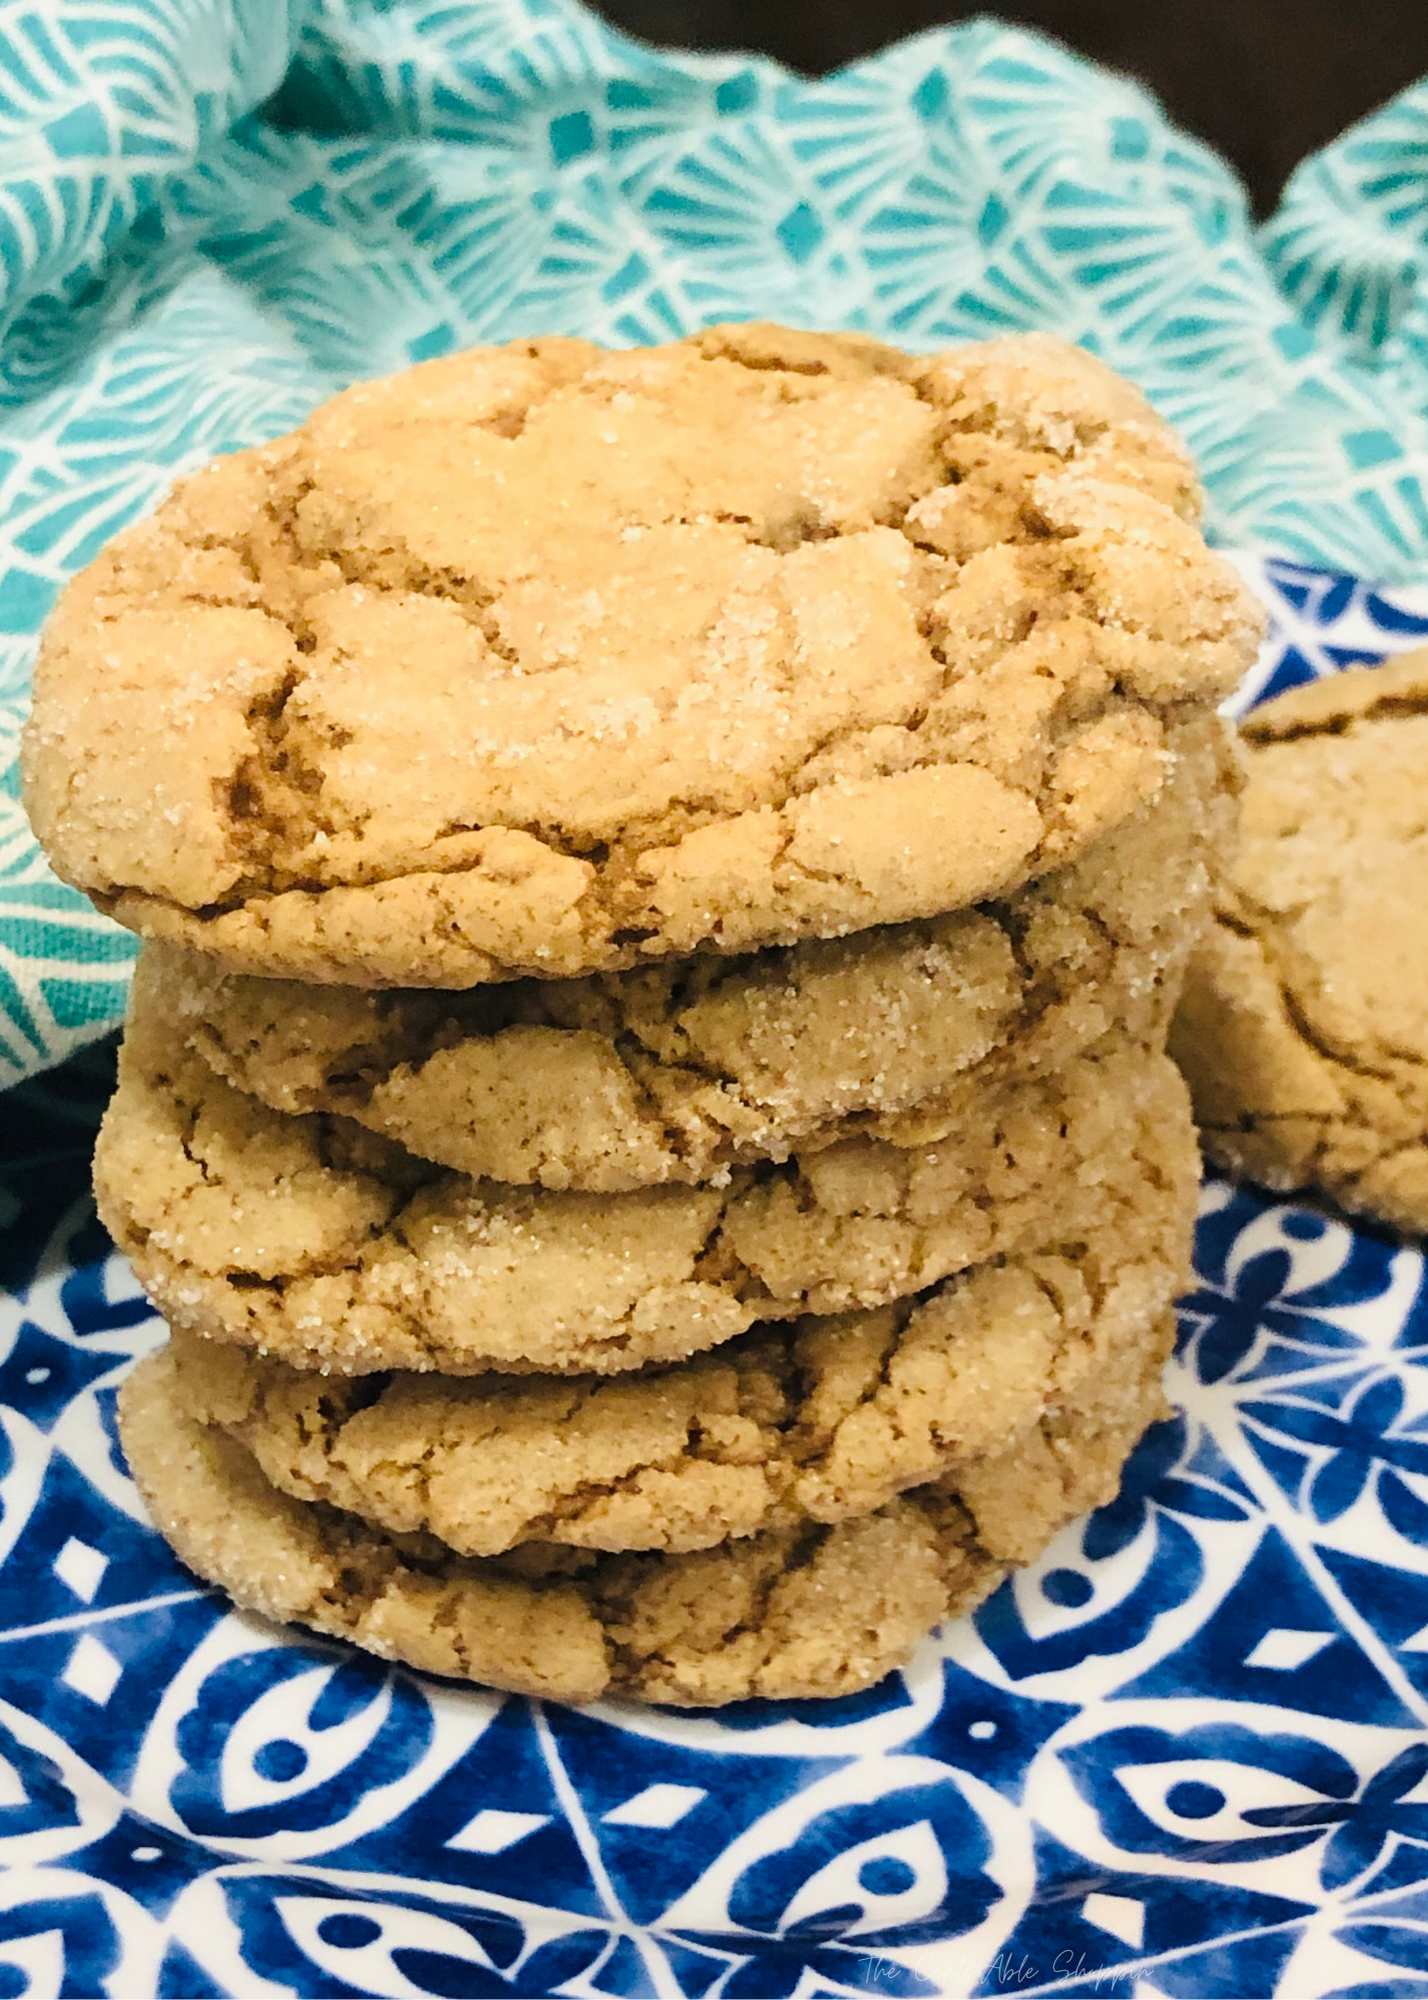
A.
pixel 214 213
pixel 1186 1754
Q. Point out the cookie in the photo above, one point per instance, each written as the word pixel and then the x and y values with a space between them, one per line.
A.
pixel 1304 1026
pixel 820 1420
pixel 313 1239
pixel 678 1071
pixel 540 660
pixel 808 1611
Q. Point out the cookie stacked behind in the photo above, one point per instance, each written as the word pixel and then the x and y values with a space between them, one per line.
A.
pixel 645 1104
pixel 1303 1030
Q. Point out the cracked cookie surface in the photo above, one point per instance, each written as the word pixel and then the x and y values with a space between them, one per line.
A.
pixel 544 660
pixel 809 1611
pixel 1303 1029
pixel 678 1071
pixel 820 1420
pixel 313 1239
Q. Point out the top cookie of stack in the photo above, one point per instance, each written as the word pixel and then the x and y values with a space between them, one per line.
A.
pixel 546 660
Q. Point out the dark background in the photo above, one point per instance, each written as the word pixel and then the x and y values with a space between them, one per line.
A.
pixel 1265 81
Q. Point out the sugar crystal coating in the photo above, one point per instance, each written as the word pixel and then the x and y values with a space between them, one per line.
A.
pixel 678 1071
pixel 799 1612
pixel 824 1419
pixel 542 660
pixel 311 1238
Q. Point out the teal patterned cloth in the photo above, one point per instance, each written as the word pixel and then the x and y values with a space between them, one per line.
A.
pixel 214 213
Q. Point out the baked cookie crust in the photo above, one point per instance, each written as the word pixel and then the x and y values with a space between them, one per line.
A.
pixel 309 1238
pixel 803 1612
pixel 677 1072
pixel 1303 1029
pixel 541 660
pixel 820 1420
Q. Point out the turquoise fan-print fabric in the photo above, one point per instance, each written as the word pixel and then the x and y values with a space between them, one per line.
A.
pixel 214 213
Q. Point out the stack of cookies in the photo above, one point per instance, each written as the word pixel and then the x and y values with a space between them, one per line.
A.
pixel 665 876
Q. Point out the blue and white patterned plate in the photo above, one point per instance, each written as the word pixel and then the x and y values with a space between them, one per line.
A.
pixel 1183 1755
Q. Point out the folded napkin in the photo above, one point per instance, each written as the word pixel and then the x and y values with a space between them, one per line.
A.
pixel 214 213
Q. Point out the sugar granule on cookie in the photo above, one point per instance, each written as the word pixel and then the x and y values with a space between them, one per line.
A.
pixel 541 660
pixel 1303 1029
